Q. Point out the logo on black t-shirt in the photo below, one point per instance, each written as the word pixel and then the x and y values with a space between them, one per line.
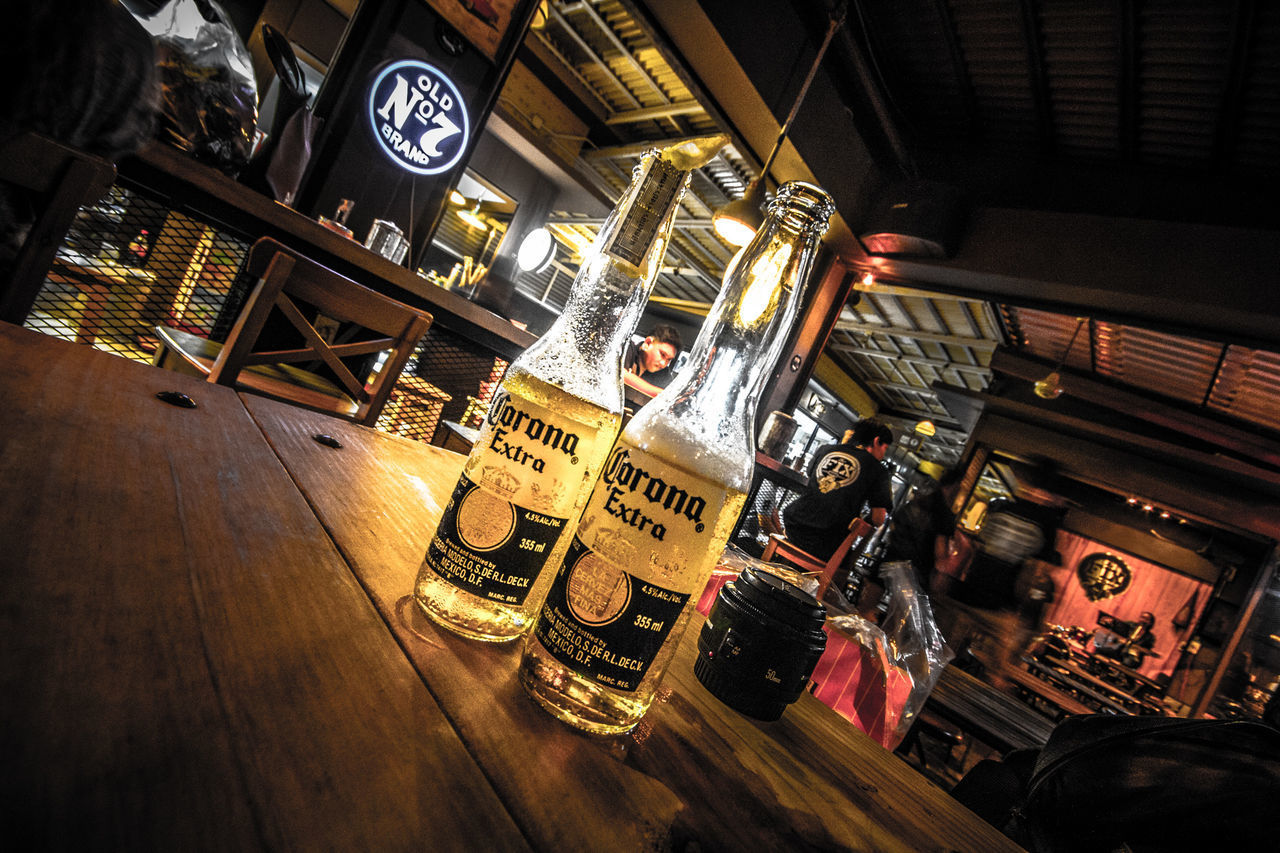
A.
pixel 836 470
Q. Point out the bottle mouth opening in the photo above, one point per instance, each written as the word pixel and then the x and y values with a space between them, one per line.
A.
pixel 803 204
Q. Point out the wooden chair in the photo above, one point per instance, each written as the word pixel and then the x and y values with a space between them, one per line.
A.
pixel 771 522
pixel 781 549
pixel 59 180
pixel 285 279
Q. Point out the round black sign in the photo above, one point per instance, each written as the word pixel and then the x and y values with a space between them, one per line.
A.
pixel 418 118
pixel 1103 576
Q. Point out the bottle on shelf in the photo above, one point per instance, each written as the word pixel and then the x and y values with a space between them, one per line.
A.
pixel 339 221
pixel 552 421
pixel 671 491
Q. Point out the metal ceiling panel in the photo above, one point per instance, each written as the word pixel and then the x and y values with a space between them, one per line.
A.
pixel 1248 387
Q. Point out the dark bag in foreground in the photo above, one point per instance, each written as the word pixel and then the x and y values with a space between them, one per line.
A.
pixel 1108 783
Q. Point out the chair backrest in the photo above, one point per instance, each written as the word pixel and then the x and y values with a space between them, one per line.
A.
pixel 286 278
pixel 58 179
pixel 782 549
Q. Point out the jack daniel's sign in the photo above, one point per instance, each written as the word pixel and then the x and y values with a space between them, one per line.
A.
pixel 1103 576
pixel 418 117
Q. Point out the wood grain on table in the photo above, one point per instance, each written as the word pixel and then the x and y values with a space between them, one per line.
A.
pixel 188 663
pixel 693 771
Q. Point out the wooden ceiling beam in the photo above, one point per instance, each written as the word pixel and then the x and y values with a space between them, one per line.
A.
pixel 1038 77
pixel 1243 24
pixel 1195 425
pixel 1244 472
pixel 1128 81
pixel 939 363
pixel 1206 281
pixel 651 113
pixel 915 334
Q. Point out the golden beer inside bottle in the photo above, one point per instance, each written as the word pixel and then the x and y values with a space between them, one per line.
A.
pixel 569 666
pixel 505 485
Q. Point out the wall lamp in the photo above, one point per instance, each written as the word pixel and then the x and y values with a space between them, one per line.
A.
pixel 537 251
pixel 472 217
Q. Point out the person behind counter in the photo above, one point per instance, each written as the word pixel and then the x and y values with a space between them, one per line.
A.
pixel 1138 641
pixel 842 478
pixel 646 364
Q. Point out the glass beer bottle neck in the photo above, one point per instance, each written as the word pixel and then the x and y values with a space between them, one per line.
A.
pixel 712 404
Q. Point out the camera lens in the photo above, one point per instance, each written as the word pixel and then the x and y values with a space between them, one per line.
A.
pixel 760 644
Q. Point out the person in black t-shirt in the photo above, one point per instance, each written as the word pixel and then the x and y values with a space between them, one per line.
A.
pixel 842 479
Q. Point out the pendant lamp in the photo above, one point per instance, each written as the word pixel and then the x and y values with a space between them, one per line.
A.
pixel 1050 387
pixel 738 221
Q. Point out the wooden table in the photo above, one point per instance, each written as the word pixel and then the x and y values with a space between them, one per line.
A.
pixel 188 663
pixel 209 649
pixel 452 435
pixel 170 176
pixel 1131 681
pixel 98 279
pixel 993 717
pixel 1108 697
pixel 1040 692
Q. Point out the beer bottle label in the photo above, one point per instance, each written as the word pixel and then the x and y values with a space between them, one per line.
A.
pixel 658 190
pixel 628 573
pixel 512 502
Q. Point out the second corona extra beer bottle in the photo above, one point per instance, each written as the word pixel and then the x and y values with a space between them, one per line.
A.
pixel 671 491
pixel 551 422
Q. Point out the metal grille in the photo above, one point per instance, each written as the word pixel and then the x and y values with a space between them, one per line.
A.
pixel 459 379
pixel 129 263
pixel 1230 379
pixel 751 534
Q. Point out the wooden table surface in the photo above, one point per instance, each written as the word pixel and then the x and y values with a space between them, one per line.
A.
pixel 188 663
pixel 1046 693
pixel 171 177
pixel 1068 675
pixel 693 771
pixel 207 649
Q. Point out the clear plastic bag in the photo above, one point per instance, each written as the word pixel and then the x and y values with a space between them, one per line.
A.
pixel 209 97
pixel 879 676
pixel 731 563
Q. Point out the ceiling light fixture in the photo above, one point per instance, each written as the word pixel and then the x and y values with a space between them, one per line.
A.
pixel 1050 387
pixel 738 221
pixel 472 217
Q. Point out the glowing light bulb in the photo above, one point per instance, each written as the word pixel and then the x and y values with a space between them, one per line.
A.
pixel 734 232
pixel 766 284
pixel 1049 388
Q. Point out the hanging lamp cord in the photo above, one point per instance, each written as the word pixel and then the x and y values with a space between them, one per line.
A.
pixel 1080 321
pixel 837 20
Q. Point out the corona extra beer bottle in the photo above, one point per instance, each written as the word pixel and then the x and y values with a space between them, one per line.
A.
pixel 551 422
pixel 671 491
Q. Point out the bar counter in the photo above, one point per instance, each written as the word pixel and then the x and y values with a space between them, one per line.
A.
pixel 166 174
pixel 210 644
